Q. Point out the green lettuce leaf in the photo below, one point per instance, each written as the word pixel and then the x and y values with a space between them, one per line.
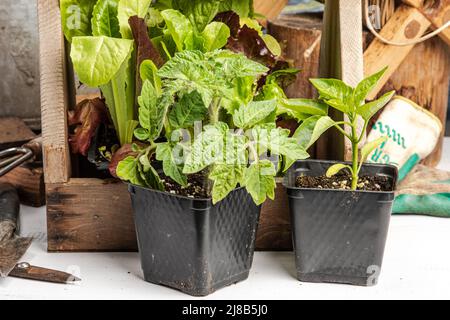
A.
pixel 178 26
pixel 129 8
pixel 104 19
pixel 76 17
pixel 216 35
pixel 97 60
pixel 199 12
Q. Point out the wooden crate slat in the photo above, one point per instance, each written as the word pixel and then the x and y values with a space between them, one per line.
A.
pixel 90 215
pixel 54 97
pixel 406 24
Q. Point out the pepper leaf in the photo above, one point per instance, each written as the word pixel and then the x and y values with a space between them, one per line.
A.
pixel 369 147
pixel 335 169
pixel 366 86
pixel 368 110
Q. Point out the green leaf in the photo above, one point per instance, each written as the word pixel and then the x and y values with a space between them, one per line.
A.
pixel 244 8
pixel 131 125
pixel 332 89
pixel 199 12
pixel 368 110
pixel 178 26
pixel 279 75
pixel 226 178
pixel 277 140
pixel 305 106
pixel 366 86
pixel 104 19
pixel 236 65
pixel 127 170
pixel 76 17
pixel 186 65
pixel 149 71
pixel 207 148
pixel 272 44
pixel 335 169
pixel 194 41
pixel 369 147
pixel 97 60
pixel 308 132
pixel 216 36
pixel 253 113
pixel 259 180
pixel 339 105
pixel 151 113
pixel 142 134
pixel 171 164
pixel 130 8
pixel 149 177
pixel 252 24
pixel 187 111
pixel 311 130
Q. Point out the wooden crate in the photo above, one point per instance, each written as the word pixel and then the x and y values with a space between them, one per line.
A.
pixel 91 214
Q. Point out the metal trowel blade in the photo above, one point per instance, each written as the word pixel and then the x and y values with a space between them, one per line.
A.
pixel 11 251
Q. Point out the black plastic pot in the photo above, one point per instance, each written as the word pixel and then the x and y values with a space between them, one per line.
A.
pixel 338 235
pixel 191 245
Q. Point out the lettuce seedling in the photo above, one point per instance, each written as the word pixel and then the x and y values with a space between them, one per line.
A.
pixel 351 102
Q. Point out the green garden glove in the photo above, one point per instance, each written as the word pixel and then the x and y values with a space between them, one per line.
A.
pixel 424 191
pixel 413 133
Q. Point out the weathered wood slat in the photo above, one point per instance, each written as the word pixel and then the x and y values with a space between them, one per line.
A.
pixel 54 97
pixel 90 215
pixel 406 24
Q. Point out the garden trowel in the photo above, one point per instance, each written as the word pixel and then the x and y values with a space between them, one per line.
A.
pixel 13 247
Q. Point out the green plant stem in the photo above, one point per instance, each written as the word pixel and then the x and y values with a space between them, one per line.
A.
pixel 214 111
pixel 337 126
pixel 355 156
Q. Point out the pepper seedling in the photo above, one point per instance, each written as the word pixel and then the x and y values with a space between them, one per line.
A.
pixel 352 103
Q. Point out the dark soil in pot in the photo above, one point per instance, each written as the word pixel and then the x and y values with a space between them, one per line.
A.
pixel 190 244
pixel 339 235
pixel 344 181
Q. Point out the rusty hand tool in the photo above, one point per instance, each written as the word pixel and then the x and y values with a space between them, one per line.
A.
pixel 13 247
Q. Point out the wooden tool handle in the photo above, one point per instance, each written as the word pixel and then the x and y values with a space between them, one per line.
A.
pixel 9 211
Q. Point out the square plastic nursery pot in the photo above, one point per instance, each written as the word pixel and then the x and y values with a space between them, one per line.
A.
pixel 339 235
pixel 192 245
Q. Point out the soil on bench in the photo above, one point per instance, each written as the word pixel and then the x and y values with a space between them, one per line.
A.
pixel 344 182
